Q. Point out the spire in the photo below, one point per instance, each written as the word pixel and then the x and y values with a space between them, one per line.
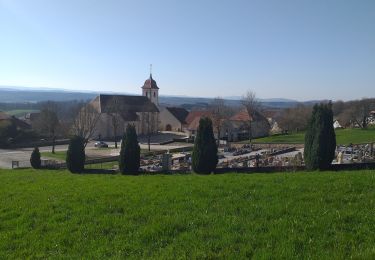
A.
pixel 150 82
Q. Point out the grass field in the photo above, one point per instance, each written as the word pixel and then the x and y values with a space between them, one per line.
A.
pixel 343 136
pixel 58 155
pixel 55 214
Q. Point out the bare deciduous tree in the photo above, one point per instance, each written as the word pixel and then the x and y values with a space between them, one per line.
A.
pixel 48 121
pixel 294 118
pixel 252 105
pixel 85 121
pixel 114 111
pixel 220 113
pixel 338 107
pixel 150 124
pixel 356 113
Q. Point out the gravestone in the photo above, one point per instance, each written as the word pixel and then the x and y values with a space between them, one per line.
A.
pixel 166 161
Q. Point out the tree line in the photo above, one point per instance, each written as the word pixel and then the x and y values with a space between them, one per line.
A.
pixel 354 113
pixel 54 120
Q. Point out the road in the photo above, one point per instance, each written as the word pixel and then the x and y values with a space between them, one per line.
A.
pixel 23 154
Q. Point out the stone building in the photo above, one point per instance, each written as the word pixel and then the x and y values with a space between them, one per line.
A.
pixel 173 118
pixel 117 111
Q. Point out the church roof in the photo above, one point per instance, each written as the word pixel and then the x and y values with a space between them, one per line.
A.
pixel 150 83
pixel 126 104
pixel 179 113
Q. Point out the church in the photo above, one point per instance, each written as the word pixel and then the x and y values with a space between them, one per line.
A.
pixel 117 111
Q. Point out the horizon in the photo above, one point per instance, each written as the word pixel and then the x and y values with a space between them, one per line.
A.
pixel 296 50
pixel 229 98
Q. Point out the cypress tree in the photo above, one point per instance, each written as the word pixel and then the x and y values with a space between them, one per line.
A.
pixel 320 138
pixel 35 159
pixel 75 156
pixel 204 157
pixel 129 160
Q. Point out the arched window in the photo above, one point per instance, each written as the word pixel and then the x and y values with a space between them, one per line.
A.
pixel 154 94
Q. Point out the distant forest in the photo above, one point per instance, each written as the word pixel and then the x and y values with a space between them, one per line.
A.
pixel 11 99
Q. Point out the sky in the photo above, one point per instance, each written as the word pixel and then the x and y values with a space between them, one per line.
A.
pixel 296 49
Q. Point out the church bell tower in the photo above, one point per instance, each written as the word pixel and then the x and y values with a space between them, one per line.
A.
pixel 151 90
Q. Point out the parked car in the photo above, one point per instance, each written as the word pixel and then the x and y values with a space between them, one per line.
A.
pixel 101 144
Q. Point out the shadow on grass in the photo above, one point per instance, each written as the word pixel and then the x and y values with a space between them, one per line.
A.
pixel 85 171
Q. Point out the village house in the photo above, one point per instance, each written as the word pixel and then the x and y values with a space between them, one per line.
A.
pixel 272 116
pixel 6 119
pixel 242 125
pixel 235 128
pixel 192 121
pixel 336 124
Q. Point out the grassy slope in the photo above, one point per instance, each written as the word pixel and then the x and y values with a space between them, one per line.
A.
pixel 56 214
pixel 343 136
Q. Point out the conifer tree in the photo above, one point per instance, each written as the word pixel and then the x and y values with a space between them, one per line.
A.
pixel 204 157
pixel 35 159
pixel 129 160
pixel 320 138
pixel 75 156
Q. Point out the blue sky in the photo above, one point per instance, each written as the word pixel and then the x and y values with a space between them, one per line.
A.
pixel 299 49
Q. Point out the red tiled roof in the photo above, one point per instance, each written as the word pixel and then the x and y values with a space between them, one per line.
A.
pixel 196 114
pixel 194 124
pixel 243 115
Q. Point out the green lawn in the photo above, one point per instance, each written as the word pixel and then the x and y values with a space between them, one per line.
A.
pixel 289 138
pixel 58 155
pixel 55 214
pixel 343 136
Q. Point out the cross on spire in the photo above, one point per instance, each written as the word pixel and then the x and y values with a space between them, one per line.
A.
pixel 150 70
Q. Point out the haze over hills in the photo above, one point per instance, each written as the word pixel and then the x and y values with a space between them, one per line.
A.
pixel 10 94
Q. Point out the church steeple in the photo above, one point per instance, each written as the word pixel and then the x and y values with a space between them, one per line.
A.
pixel 150 89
